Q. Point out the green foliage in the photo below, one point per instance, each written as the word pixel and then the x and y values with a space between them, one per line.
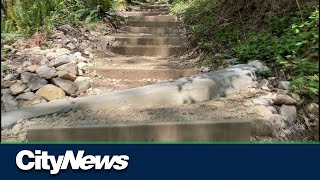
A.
pixel 34 15
pixel 282 33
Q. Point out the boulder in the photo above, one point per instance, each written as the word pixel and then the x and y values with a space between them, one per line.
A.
pixel 33 81
pixel 46 72
pixel 61 60
pixel 289 113
pixel 9 103
pixel 18 88
pixel 67 75
pixel 257 64
pixel 26 77
pixel 83 86
pixel 51 92
pixel 7 84
pixel 27 96
pixel 284 85
pixel 32 68
pixel 268 126
pixel 70 67
pixel 37 83
pixel 68 86
pixel 284 99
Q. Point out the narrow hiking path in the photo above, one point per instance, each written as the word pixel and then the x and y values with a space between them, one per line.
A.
pixel 144 51
pixel 151 50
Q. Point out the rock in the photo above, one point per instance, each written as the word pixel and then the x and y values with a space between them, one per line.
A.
pixel 82 65
pixel 80 72
pixel 289 113
pixel 23 103
pixel 77 54
pixel 26 63
pixel 204 69
pixel 284 85
pixel 16 129
pixel 264 82
pixel 71 46
pixel 83 79
pixel 83 86
pixel 28 96
pixel 295 96
pixel 51 92
pixel 272 109
pixel 262 111
pixel 7 84
pixel 10 77
pixel 282 91
pixel 284 99
pixel 61 60
pixel 38 101
pixel 231 60
pixel 70 67
pixel 46 72
pixel 51 55
pixel 18 88
pixel 9 103
pixel 37 83
pixel 257 64
pixel 26 77
pixel 262 102
pixel 268 126
pixel 68 86
pixel 33 81
pixel 32 68
pixel 61 51
pixel 87 51
pixel 5 91
pixel 67 75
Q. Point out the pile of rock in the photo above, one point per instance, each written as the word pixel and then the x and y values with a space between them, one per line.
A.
pixel 36 83
pixel 280 106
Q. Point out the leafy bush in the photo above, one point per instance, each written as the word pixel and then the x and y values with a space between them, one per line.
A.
pixel 30 16
pixel 282 33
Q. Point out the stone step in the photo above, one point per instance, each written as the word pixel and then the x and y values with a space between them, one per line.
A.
pixel 195 131
pixel 164 6
pixel 140 74
pixel 152 30
pixel 168 18
pixel 175 41
pixel 153 24
pixel 135 13
pixel 153 10
pixel 119 84
pixel 162 51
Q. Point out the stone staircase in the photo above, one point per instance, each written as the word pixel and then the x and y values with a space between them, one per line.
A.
pixel 145 51
pixel 154 35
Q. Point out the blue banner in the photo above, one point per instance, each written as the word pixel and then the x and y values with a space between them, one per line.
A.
pixel 162 161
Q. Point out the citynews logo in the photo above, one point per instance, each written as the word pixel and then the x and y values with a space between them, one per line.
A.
pixel 40 160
